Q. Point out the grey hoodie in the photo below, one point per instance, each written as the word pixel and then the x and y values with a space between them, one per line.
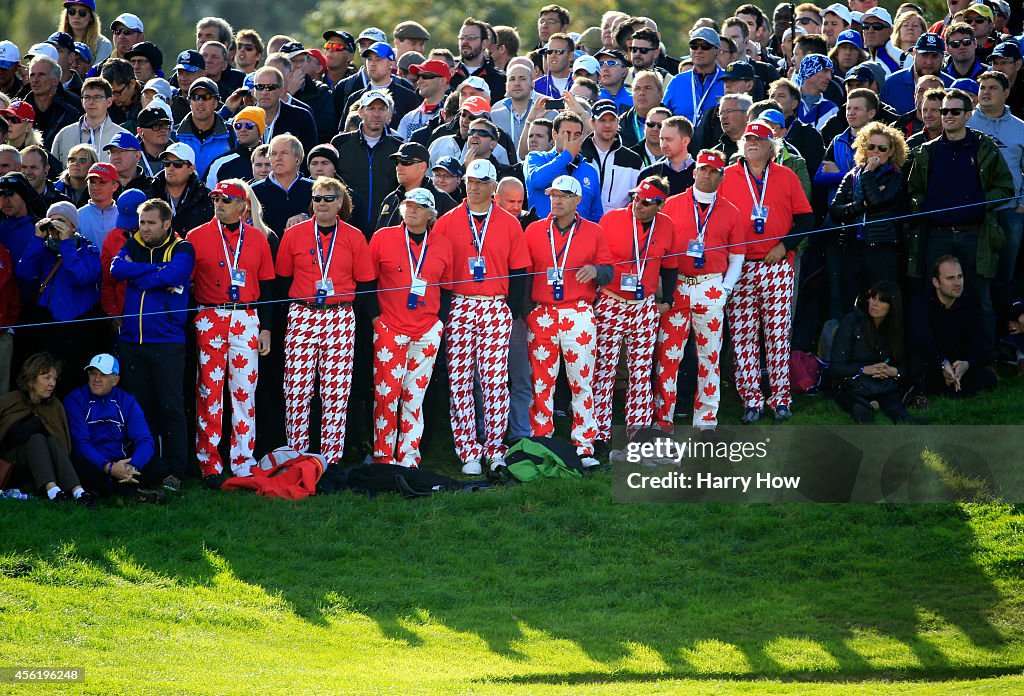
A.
pixel 1007 132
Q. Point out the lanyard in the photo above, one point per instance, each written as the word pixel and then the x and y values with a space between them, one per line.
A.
pixel 325 269
pixel 638 130
pixel 93 140
pixel 232 264
pixel 416 266
pixel 637 251
pixel 479 236
pixel 145 163
pixel 764 187
pixel 702 226
pixel 564 253
pixel 698 106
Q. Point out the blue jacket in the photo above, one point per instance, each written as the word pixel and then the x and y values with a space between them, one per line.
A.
pixel 542 168
pixel 841 151
pixel 75 287
pixel 153 274
pixel 15 234
pixel 683 96
pixel 108 428
pixel 898 90
pixel 222 140
pixel 545 85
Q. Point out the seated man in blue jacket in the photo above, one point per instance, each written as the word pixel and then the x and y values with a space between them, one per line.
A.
pixel 111 447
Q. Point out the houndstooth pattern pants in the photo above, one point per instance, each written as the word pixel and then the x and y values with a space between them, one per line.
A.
pixel 762 300
pixel 228 343
pixel 635 324
pixel 318 343
pixel 565 332
pixel 477 337
pixel 700 310
pixel 401 372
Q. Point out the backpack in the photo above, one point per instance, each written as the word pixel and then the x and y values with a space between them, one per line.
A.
pixel 805 372
pixel 543 457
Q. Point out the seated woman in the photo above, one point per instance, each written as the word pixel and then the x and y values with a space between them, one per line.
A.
pixel 34 433
pixel 867 354
pixel 869 197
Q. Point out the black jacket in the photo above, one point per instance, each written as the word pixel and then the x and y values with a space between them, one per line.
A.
pixel 390 215
pixel 279 205
pixel 935 333
pixel 344 89
pixel 321 101
pixel 194 207
pixel 298 122
pixel 808 141
pixel 63 112
pixel 880 195
pixel 852 350
pixel 405 101
pixel 494 78
pixel 367 171
pixel 236 164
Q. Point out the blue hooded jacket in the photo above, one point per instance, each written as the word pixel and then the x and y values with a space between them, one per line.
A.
pixel 75 288
pixel 108 428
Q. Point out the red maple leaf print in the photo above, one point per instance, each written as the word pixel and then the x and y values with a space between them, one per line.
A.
pixel 571 356
pixel 254 343
pixel 708 417
pixel 254 377
pixel 713 359
pixel 430 351
pixel 242 428
pixel 584 339
pixel 699 309
pixel 239 394
pixel 422 381
pixel 575 388
pixel 406 426
pixel 702 340
pixel 713 293
pixel 589 434
pixel 698 404
pixel 406 396
pixel 237 328
pixel 585 371
pixel 715 324
pixel 702 371
pixel 239 361
pixel 588 403
pixel 710 390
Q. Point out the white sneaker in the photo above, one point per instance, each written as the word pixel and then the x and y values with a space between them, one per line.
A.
pixel 472 468
pixel 589 462
pixel 497 462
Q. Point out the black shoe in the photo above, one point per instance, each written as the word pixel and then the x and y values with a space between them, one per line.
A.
pixel 151 496
pixel 87 500
pixel 172 484
pixel 214 481
pixel 600 449
pixel 62 497
pixel 751 415
pixel 783 413
pixel 862 413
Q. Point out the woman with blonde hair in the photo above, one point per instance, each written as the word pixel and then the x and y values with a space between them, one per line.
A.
pixel 870 197
pixel 81 21
pixel 907 28
pixel 72 181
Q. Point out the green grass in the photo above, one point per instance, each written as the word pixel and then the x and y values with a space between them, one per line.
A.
pixel 535 589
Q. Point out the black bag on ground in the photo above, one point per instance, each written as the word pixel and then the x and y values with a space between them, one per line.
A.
pixel 391 478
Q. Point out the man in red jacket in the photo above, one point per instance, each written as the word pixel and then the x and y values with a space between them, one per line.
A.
pixel 234 269
pixel 640 237
pixel 775 213
pixel 489 261
pixel 708 235
pixel 412 263
pixel 569 259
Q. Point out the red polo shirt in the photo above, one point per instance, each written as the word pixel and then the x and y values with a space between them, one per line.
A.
pixel 589 247
pixel 722 236
pixel 212 276
pixel 784 198
pixel 658 239
pixel 350 263
pixel 504 249
pixel 391 260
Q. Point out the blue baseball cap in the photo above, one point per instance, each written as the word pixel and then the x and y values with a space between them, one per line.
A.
pixel 128 208
pixel 966 84
pixel 190 61
pixel 1007 49
pixel 451 165
pixel 380 49
pixel 61 40
pixel 83 51
pixel 707 34
pixel 123 140
pixel 773 116
pixel 930 43
pixel 91 4
pixel 850 37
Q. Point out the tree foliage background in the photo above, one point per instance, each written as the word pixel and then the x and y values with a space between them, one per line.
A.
pixel 170 23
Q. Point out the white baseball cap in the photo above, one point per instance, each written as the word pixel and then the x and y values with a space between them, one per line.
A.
pixel 129 21
pixel 43 49
pixel 476 82
pixel 588 63
pixel 105 363
pixel 481 169
pixel 181 151
pixel 565 184
pixel 9 55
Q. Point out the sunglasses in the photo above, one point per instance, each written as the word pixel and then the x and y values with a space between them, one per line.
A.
pixel 558 51
pixel 409 163
pixel 701 46
pixel 609 63
pixel 648 202
pixel 266 88
pixel 78 11
pixel 875 26
pixel 177 164
pixel 653 124
pixel 246 125
pixel 6 194
pixel 807 20
pixel 976 20
pixel 327 198
pixel 957 43
pixel 644 50
pixel 246 47
pixel 481 133
pixel 871 147
pixel 951 112
pixel 332 46
pixel 201 97
pixel 221 198
pixel 14 120
pixel 123 32
pixel 79 160
pixel 159 127
pixel 428 76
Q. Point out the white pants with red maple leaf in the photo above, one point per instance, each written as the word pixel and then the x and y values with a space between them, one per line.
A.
pixel 401 372
pixel 700 309
pixel 636 324
pixel 318 343
pixel 563 332
pixel 477 335
pixel 762 300
pixel 228 343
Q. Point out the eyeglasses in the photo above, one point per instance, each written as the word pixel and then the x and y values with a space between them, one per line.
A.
pixel 177 164
pixel 951 111
pixel 653 124
pixel 409 163
pixel 118 92
pixel 327 198
pixel 247 125
pixel 807 20
pixel 14 120
pixel 201 97
pixel 333 46
pixel 644 50
pixel 123 32
pixel 481 132
pixel 221 198
pixel 428 76
pixel 6 194
pixel 266 88
pixel 871 147
pixel 557 51
pixel 957 43
pixel 701 46
pixel 94 97
pixel 609 63
pixel 78 11
pixel 159 127
pixel 470 38
pixel 875 26
pixel 79 160
pixel 247 47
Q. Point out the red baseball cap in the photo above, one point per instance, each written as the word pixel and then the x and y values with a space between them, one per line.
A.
pixel 231 190
pixel 435 67
pixel 650 191
pixel 759 129
pixel 320 57
pixel 104 171
pixel 711 159
pixel 476 106
pixel 20 109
